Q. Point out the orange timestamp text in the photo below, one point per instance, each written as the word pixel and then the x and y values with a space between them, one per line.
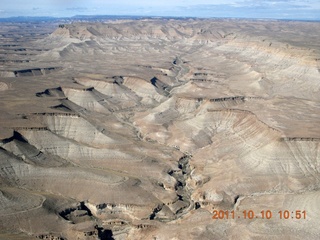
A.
pixel 264 214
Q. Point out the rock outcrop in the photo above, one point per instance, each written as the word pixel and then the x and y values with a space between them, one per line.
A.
pixel 161 129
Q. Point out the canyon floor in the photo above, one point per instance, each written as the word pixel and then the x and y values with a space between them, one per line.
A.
pixel 160 129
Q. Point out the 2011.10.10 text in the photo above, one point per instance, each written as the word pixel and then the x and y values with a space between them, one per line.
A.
pixel 263 214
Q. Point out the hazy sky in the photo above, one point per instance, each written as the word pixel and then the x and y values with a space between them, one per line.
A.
pixel 281 9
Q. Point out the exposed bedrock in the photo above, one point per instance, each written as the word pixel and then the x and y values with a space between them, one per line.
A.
pixel 29 72
pixel 148 126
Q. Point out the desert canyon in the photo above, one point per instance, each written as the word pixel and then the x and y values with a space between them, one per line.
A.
pixel 141 129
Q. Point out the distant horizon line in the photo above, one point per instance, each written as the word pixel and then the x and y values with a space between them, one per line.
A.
pixel 152 16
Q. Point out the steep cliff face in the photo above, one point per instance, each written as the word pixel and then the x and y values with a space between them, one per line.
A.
pixel 144 128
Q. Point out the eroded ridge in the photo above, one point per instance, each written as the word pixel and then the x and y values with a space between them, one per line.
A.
pixel 143 128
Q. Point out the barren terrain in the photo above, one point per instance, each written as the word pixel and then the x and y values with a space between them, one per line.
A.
pixel 140 129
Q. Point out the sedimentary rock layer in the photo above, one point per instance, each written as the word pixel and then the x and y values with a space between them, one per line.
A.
pixel 148 129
